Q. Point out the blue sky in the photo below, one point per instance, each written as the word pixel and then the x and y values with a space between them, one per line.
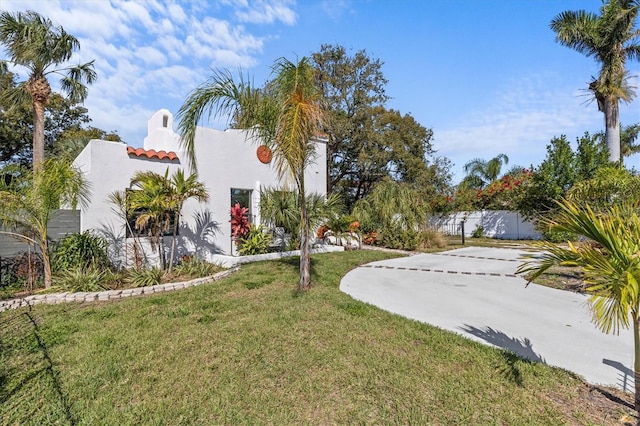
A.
pixel 487 76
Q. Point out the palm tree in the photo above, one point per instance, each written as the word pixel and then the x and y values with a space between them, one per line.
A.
pixel 33 42
pixel 119 201
pixel 628 137
pixel 281 208
pixel 391 206
pixel 157 200
pixel 30 198
pixel 609 262
pixel 611 38
pixel 183 189
pixel 286 114
pixel 481 173
pixel 151 202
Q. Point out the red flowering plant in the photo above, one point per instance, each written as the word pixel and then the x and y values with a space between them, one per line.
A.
pixel 503 193
pixel 239 222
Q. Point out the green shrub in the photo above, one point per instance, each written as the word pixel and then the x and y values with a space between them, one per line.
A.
pixel 26 270
pixel 80 250
pixel 430 238
pixel 254 242
pixel 146 277
pixel 478 232
pixel 400 239
pixel 193 266
pixel 558 237
pixel 409 239
pixel 81 279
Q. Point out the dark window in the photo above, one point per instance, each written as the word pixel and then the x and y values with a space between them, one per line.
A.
pixel 165 120
pixel 243 197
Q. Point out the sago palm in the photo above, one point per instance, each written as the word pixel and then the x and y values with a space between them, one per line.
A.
pixel 611 38
pixel 35 43
pixel 610 263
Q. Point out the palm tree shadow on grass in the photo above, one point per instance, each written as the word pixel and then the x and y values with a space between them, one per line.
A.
pixel 32 371
pixel 515 351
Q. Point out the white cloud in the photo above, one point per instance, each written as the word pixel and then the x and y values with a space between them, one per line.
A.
pixel 149 54
pixel 267 12
pixel 335 9
pixel 520 121
pixel 176 13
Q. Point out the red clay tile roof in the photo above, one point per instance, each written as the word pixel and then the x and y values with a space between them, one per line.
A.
pixel 152 153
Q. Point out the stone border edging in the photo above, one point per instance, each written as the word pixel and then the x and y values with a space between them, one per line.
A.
pixel 99 296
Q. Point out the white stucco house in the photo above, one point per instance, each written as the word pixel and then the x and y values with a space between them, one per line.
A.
pixel 227 164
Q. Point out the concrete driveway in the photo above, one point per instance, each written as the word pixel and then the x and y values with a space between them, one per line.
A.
pixel 474 291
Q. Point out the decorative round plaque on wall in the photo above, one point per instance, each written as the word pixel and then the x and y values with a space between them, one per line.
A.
pixel 264 154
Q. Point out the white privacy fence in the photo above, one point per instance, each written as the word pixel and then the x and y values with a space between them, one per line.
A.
pixel 501 224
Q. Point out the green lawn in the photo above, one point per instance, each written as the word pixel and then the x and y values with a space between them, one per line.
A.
pixel 249 349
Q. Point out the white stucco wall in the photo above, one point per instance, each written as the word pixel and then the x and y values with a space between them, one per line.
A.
pixel 225 160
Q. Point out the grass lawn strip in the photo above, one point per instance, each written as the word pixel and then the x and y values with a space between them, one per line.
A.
pixel 249 349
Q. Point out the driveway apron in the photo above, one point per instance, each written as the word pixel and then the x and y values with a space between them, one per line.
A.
pixel 474 291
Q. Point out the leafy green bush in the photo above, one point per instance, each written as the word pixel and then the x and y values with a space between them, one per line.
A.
pixel 254 242
pixel 409 239
pixel 79 278
pixel 193 266
pixel 558 237
pixel 146 277
pixel 400 239
pixel 478 232
pixel 80 250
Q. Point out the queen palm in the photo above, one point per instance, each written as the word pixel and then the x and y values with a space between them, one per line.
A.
pixel 611 38
pixel 610 263
pixel 286 114
pixel 34 43
pixel 31 198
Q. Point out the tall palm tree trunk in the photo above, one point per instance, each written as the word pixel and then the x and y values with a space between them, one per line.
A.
pixel 46 262
pixel 636 363
pixel 612 128
pixel 38 135
pixel 173 240
pixel 305 255
pixel 39 89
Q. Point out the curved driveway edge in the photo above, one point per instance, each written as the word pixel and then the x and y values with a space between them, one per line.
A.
pixel 474 292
